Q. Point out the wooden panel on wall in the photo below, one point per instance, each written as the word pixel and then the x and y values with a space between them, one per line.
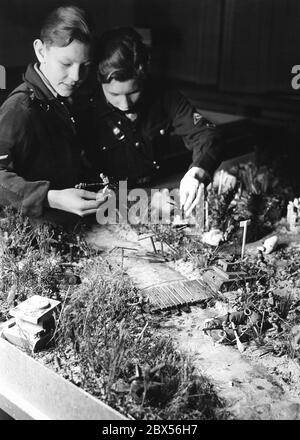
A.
pixel 261 43
pixel 186 37
pixel 20 21
pixel 243 46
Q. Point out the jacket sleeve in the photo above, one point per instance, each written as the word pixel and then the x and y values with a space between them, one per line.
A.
pixel 199 135
pixel 29 197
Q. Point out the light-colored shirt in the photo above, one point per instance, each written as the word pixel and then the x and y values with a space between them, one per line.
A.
pixel 45 80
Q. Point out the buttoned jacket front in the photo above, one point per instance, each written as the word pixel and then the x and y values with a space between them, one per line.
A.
pixel 133 150
pixel 39 148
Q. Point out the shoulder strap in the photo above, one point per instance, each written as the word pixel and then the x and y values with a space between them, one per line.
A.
pixel 22 89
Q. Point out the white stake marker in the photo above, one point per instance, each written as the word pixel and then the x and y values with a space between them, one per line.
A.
pixel 206 214
pixel 244 225
pixel 239 344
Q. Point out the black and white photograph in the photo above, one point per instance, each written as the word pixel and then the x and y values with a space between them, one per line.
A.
pixel 150 213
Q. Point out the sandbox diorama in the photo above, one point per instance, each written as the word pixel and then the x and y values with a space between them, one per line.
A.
pixel 184 320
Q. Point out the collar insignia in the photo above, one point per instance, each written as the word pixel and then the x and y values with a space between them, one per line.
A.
pixel 196 118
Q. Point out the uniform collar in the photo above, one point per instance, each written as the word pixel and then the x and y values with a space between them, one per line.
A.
pixel 40 91
pixel 37 85
pixel 45 80
pixel 105 108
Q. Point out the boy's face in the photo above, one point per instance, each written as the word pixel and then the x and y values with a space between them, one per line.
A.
pixel 122 95
pixel 64 67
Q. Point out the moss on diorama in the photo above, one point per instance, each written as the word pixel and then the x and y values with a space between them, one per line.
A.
pixel 105 340
pixel 108 342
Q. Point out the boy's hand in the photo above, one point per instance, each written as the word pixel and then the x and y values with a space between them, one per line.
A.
pixel 191 188
pixel 76 201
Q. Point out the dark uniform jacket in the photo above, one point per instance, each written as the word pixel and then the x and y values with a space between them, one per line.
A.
pixel 124 149
pixel 39 148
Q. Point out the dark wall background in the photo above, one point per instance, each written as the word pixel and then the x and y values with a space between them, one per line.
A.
pixel 243 46
pixel 261 44
pixel 186 37
pixel 20 21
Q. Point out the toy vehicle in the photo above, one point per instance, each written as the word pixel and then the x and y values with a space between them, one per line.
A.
pixel 33 323
pixel 224 275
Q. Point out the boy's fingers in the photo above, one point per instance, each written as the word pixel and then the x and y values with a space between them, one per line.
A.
pixel 89 204
pixel 192 194
pixel 87 194
pixel 89 212
pixel 197 199
pixel 189 201
pixel 101 197
pixel 182 196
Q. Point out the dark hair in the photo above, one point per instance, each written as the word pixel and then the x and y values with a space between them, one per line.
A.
pixel 121 55
pixel 65 24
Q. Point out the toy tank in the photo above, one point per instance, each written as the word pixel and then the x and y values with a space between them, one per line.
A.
pixel 225 275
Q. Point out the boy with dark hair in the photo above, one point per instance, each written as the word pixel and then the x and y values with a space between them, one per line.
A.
pixel 133 115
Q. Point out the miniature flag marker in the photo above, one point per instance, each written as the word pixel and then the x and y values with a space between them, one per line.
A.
pixel 244 224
